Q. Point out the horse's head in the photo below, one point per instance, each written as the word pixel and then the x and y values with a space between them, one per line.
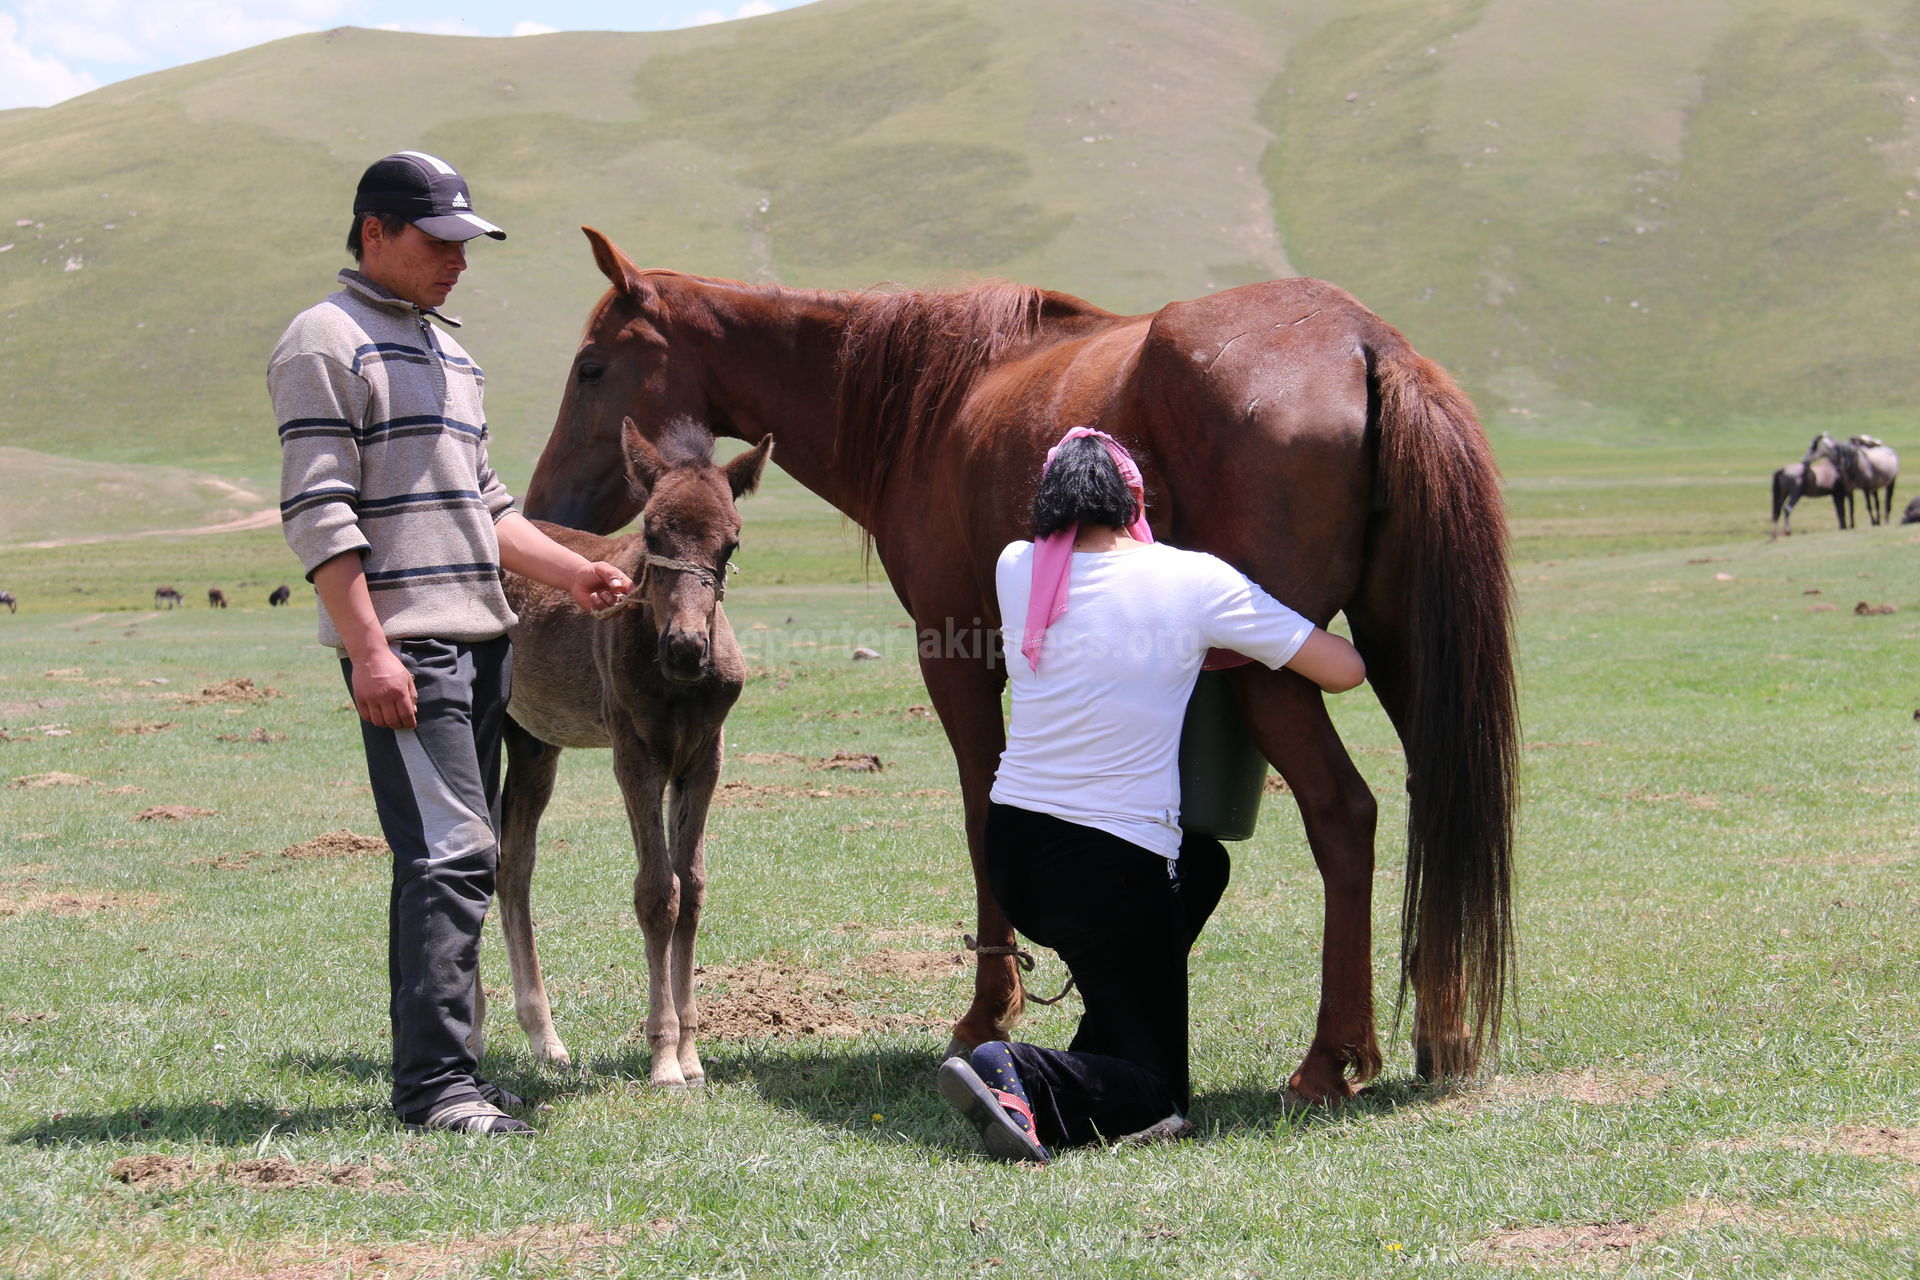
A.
pixel 621 370
pixel 690 529
pixel 1822 446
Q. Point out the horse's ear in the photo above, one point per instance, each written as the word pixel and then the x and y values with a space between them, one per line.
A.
pixel 743 473
pixel 644 463
pixel 616 266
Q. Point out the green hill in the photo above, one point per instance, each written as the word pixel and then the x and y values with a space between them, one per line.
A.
pixel 1624 221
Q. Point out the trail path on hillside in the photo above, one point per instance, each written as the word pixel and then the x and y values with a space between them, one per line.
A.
pixel 265 518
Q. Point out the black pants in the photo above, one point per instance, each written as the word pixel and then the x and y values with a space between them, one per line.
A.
pixel 1123 927
pixel 437 789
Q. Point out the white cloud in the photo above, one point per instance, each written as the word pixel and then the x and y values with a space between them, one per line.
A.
pixel 437 27
pixel 751 9
pixel 533 29
pixel 30 79
pixel 163 32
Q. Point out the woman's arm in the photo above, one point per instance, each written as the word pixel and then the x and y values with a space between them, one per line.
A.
pixel 1329 662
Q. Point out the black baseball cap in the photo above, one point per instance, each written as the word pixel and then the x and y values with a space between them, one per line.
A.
pixel 426 191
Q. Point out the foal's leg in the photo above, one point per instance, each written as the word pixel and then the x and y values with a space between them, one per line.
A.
pixel 656 897
pixel 1288 720
pixel 531 768
pixel 687 842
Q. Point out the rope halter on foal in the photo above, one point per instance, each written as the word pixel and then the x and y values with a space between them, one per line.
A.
pixel 713 579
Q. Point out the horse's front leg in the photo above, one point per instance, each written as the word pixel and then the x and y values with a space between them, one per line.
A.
pixel 656 897
pixel 687 843
pixel 965 693
pixel 531 768
pixel 1288 719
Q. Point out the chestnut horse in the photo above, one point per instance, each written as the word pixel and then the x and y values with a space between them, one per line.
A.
pixel 654 683
pixel 1281 426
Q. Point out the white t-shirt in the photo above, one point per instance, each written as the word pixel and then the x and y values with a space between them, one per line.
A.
pixel 1095 737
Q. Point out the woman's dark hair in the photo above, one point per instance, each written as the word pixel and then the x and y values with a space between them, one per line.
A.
pixel 1083 486
pixel 391 223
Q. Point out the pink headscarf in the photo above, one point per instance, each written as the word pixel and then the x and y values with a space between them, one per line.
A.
pixel 1053 559
pixel 1053 554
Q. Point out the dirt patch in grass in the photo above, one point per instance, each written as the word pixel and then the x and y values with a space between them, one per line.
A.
pixel 258 735
pixel 336 844
pixel 1878 1140
pixel 74 904
pixel 238 689
pixel 753 795
pixel 761 999
pixel 556 1248
pixel 767 757
pixel 139 727
pixel 173 813
pixel 852 761
pixel 889 963
pixel 1568 1245
pixel 1587 1087
pixel 272 1173
pixel 35 781
pixel 1693 799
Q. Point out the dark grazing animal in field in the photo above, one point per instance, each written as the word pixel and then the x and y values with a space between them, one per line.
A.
pixel 1912 513
pixel 1864 464
pixel 6 598
pixel 1280 426
pixel 216 598
pixel 167 596
pixel 281 595
pixel 654 683
pixel 1799 480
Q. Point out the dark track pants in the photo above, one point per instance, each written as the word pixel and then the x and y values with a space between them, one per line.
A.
pixel 437 790
pixel 1123 927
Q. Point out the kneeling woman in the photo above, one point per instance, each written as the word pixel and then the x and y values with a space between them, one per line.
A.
pixel 1084 851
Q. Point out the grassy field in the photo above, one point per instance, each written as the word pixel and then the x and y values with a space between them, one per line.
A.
pixel 1713 1070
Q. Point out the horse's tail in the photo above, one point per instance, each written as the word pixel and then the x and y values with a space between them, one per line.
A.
pixel 1436 606
pixel 1779 492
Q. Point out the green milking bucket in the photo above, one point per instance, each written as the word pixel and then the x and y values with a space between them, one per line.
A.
pixel 1221 772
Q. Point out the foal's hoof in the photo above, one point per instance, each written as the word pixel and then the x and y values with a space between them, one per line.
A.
pixel 958 1048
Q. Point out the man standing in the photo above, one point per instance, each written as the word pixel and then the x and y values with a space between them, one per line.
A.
pixel 403 528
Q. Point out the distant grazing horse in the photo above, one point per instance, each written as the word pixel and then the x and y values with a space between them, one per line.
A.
pixel 1864 464
pixel 1912 514
pixel 167 596
pixel 1281 426
pixel 281 595
pixel 1799 480
pixel 654 683
pixel 216 598
pixel 6 598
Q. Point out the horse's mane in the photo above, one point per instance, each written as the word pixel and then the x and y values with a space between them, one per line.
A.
pixel 907 359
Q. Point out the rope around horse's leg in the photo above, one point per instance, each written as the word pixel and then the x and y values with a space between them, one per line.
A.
pixel 1022 959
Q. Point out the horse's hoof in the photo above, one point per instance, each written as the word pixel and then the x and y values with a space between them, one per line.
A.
pixel 958 1048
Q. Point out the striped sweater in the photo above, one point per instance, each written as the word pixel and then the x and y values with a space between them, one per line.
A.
pixel 383 450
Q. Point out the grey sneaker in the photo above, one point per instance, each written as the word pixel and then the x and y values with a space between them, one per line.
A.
pixel 469 1115
pixel 989 1110
pixel 1174 1128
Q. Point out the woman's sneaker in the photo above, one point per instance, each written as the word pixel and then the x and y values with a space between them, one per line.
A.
pixel 992 1112
pixel 1173 1129
pixel 469 1115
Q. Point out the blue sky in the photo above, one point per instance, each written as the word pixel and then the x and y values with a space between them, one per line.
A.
pixel 51 50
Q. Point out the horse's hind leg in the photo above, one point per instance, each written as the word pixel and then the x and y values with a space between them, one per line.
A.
pixel 687 842
pixel 1289 722
pixel 656 898
pixel 531 768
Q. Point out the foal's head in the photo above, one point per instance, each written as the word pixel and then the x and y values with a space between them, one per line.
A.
pixel 690 529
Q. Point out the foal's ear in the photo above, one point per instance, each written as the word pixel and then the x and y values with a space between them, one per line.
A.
pixel 617 267
pixel 743 473
pixel 644 463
